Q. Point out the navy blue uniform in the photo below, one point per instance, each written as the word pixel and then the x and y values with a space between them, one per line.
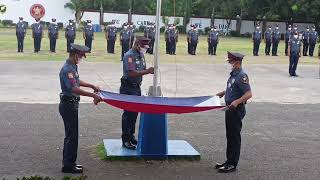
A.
pixel 256 37
pixel 288 35
pixel 295 45
pixel 132 61
pixel 21 30
pixel 268 40
pixel 213 40
pixel 305 39
pixel 237 86
pixel 188 40
pixel 194 41
pixel 312 41
pixel 166 37
pixel 37 30
pixel 276 36
pixel 68 108
pixel 70 35
pixel 88 36
pixel 53 32
pixel 172 41
pixel 150 33
pixel 125 41
pixel 111 36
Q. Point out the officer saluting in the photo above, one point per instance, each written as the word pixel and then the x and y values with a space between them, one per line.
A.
pixel 53 34
pixel 236 95
pixel 213 40
pixel 134 67
pixel 294 51
pixel 305 39
pixel 313 40
pixel 124 40
pixel 88 35
pixel 268 40
pixel 256 39
pixel 21 30
pixel 111 36
pixel 275 40
pixel 69 105
pixel 287 37
pixel 70 34
pixel 37 34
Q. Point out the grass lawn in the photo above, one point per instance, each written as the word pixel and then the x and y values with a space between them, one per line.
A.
pixel 8 48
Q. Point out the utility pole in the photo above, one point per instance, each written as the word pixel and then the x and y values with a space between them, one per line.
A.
pixel 101 13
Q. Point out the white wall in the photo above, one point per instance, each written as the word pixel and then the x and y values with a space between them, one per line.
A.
pixel 221 24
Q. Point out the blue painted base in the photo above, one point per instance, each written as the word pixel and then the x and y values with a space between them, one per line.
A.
pixel 176 149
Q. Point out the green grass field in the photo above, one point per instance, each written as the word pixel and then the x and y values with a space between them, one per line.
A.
pixel 8 48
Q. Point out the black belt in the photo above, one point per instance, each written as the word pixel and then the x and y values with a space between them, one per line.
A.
pixel 71 99
pixel 126 83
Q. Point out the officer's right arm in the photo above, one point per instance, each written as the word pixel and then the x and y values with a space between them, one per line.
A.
pixel 130 66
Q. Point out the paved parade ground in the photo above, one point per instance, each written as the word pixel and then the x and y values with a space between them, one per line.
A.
pixel 280 137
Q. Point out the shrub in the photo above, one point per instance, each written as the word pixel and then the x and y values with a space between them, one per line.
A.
pixel 60 25
pixel 7 22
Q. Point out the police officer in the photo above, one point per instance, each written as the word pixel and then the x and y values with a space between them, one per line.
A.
pixel 172 40
pixel 131 33
pixel 294 51
pixel 276 36
pixel 88 35
pixel 111 36
pixel 150 32
pixel 287 37
pixel 37 34
pixel 134 67
pixel 124 40
pixel 213 40
pixel 256 39
pixel 21 30
pixel 295 29
pixel 194 39
pixel 176 37
pixel 189 39
pixel 313 37
pixel 70 34
pixel 237 93
pixel 53 34
pixel 69 105
pixel 166 37
pixel 268 40
pixel 305 40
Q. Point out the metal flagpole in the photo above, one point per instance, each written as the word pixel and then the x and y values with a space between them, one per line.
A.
pixel 156 55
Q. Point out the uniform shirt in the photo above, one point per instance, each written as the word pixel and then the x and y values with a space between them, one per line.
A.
pixel 276 35
pixel 194 35
pixel 257 35
pixel 150 33
pixel 70 31
pixel 237 86
pixel 213 36
pixel 288 35
pixel 189 34
pixel 125 35
pixel 171 34
pixel 88 31
pixel 268 35
pixel 37 28
pixel 295 44
pixel 133 61
pixel 131 32
pixel 69 78
pixel 305 36
pixel 112 32
pixel 21 29
pixel 53 30
pixel 313 37
pixel 146 32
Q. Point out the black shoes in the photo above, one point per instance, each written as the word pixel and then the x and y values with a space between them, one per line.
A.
pixel 77 169
pixel 133 141
pixel 129 145
pixel 227 168
pixel 219 165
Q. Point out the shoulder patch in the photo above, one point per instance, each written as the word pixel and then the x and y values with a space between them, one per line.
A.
pixel 70 76
pixel 245 79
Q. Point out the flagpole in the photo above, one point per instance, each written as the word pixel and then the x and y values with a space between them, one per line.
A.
pixel 156 55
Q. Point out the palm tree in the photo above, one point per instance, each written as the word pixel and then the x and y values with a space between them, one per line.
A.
pixel 76 6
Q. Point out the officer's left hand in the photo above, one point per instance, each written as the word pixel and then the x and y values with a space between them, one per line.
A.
pixel 96 89
pixel 234 104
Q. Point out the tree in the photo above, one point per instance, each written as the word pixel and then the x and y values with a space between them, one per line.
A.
pixel 78 7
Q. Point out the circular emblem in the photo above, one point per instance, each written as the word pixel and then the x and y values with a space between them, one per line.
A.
pixel 3 8
pixel 37 11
